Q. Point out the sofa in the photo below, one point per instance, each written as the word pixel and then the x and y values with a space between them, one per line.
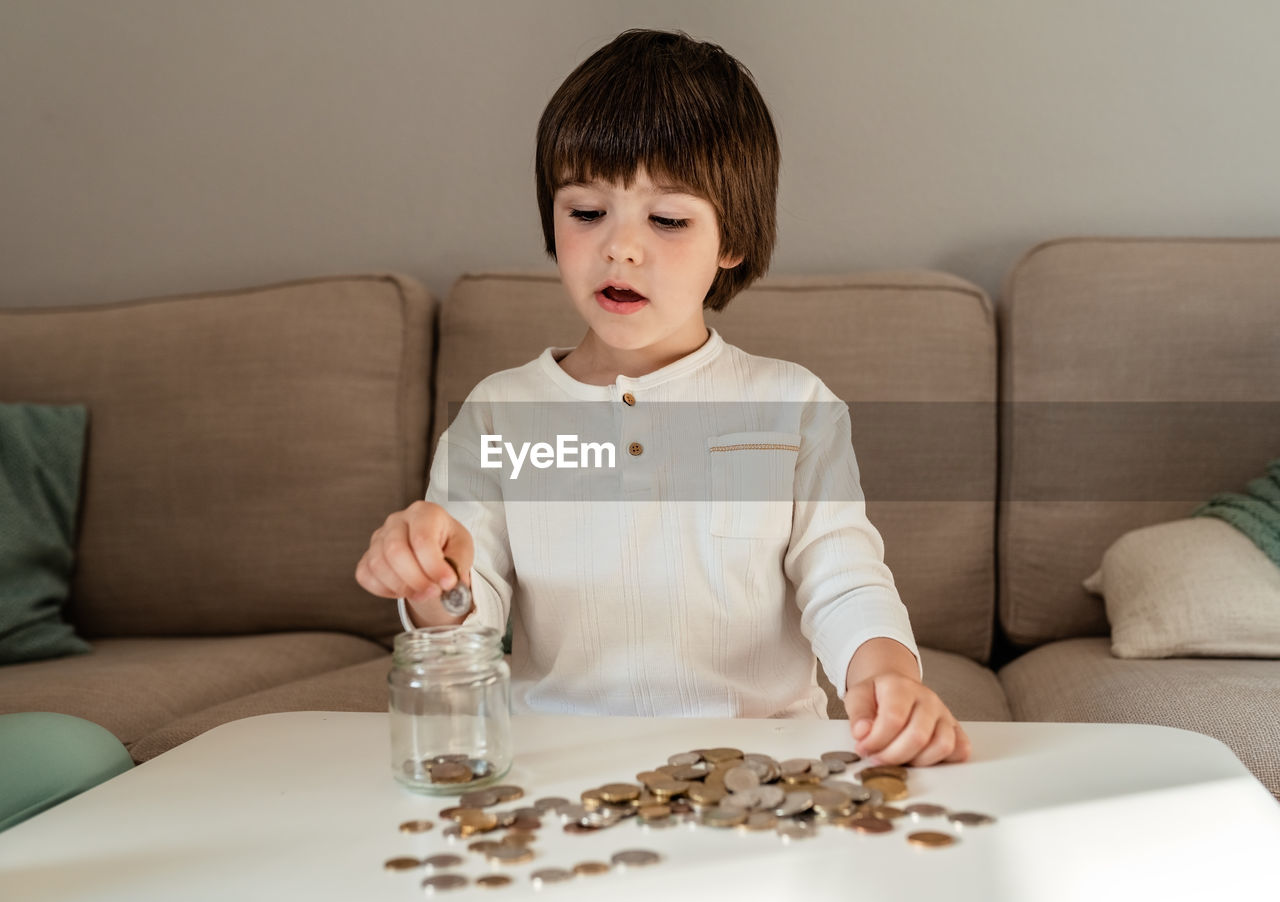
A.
pixel 244 444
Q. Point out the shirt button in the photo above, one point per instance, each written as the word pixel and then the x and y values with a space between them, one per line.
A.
pixel 635 449
pixel 629 399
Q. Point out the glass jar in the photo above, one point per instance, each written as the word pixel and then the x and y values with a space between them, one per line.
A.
pixel 450 709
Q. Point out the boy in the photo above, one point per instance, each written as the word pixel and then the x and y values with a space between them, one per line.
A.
pixel 657 168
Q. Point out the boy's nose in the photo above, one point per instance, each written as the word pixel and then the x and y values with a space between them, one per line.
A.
pixel 623 244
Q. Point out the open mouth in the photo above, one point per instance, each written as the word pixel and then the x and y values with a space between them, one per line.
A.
pixel 622 295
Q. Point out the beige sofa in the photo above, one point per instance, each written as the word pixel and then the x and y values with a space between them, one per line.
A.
pixel 243 445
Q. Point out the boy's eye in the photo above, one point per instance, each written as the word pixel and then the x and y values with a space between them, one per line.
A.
pixel 663 221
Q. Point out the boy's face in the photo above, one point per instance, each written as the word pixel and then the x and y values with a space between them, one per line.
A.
pixel 664 245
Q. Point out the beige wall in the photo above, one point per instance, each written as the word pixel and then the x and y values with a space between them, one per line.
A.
pixel 161 146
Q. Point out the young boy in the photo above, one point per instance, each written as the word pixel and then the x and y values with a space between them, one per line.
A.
pixel 657 168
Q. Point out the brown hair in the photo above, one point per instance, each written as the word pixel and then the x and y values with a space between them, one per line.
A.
pixel 690 114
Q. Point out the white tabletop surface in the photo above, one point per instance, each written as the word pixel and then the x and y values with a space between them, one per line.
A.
pixel 302 806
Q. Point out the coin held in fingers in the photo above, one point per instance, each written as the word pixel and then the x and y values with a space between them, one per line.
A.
pixel 457 601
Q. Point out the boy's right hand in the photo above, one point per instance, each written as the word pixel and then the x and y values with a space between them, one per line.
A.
pixel 406 559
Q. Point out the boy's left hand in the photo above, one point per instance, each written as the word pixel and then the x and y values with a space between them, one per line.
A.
pixel 896 719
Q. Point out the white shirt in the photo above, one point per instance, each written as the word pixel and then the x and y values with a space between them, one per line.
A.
pixel 697 577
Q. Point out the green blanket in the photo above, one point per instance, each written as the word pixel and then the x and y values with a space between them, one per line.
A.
pixel 1256 514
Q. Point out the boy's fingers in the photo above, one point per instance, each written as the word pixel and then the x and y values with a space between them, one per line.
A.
pixel 940 746
pixel 860 705
pixel 894 702
pixel 911 739
pixel 460 549
pixel 963 749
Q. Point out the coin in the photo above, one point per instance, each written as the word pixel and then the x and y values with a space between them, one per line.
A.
pixel 923 809
pixel 592 799
pixel 402 864
pixel 892 787
pixel 687 772
pixel 654 812
pixel 483 846
pixel 794 803
pixel 416 826
pixel 493 881
pixel 852 791
pixel 510 854
pixel 443 882
pixel 705 795
pixel 720 754
pixel 761 820
pixel 723 817
pixel 829 801
pixel 619 792
pixel 684 758
pixel 970 819
pixel 526 823
pixel 635 858
pixel 871 825
pixel 519 838
pixel 439 862
pixel 472 821
pixel 841 755
pixel 883 770
pixel 796 830
pixel 450 814
pixel 665 789
pixel 450 773
pixel 884 812
pixel 479 798
pixel 590 868
pixel 550 804
pixel 740 779
pixel 928 839
pixel 550 875
pixel 794 766
pixel 507 793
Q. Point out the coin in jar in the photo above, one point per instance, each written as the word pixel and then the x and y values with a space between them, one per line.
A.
pixel 635 858
pixel 930 839
pixel 450 773
pixel 443 882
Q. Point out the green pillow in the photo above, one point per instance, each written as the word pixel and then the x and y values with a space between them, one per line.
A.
pixel 41 453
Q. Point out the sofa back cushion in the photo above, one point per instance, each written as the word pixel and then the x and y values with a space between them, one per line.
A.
pixel 912 353
pixel 1141 376
pixel 242 447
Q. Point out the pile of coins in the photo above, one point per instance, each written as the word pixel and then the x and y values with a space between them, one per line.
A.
pixel 719 788
pixel 448 769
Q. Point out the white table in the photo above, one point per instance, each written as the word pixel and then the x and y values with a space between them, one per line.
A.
pixel 302 806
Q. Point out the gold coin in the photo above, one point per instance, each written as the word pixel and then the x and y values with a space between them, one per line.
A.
pixel 883 770
pixel 619 792
pixel 705 795
pixel 723 817
pixel 871 825
pixel 402 864
pixel 592 799
pixel 929 839
pixel 721 754
pixel 507 793
pixel 416 826
pixel 828 801
pixel 471 821
pixel 493 881
pixel 483 846
pixel 451 814
pixel 590 868
pixel 654 812
pixel 519 838
pixel 669 788
pixel 884 812
pixel 688 772
pixel 649 777
pixel 892 788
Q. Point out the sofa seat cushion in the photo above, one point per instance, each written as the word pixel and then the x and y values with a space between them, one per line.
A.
pixel 358 687
pixel 134 686
pixel 1236 701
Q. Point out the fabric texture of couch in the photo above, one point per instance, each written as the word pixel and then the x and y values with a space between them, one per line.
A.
pixel 243 445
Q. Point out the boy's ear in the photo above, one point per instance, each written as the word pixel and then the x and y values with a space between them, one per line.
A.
pixel 728 262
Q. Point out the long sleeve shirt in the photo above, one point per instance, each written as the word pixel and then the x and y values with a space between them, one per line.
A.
pixel 701 574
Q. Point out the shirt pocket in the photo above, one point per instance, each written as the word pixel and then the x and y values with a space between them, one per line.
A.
pixel 752 483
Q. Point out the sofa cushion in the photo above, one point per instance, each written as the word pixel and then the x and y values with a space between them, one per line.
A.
pixel 357 687
pixel 912 353
pixel 1236 701
pixel 41 453
pixel 243 445
pixel 1139 377
pixel 133 686
pixel 1190 587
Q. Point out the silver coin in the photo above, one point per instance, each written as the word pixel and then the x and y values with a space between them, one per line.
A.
pixel 442 882
pixel 741 779
pixel 573 812
pixel 601 817
pixel 834 764
pixel 509 854
pixel 684 759
pixel 794 767
pixel 551 875
pixel 875 798
pixel 770 796
pixel 550 805
pixel 794 803
pixel 796 830
pixel 479 798
pixel 635 858
pixel 439 862
pixel 761 820
pixel 970 819
pixel 741 801
pixel 818 769
pixel 852 791
pixel 505 818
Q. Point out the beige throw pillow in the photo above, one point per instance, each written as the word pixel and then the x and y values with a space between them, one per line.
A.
pixel 1189 588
